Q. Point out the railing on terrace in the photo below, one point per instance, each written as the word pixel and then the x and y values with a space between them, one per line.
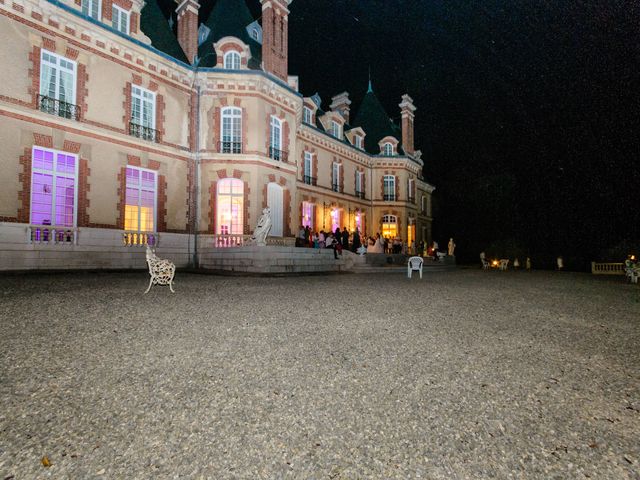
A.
pixel 389 197
pixel 360 195
pixel 607 268
pixel 52 235
pixel 234 241
pixel 310 180
pixel 335 187
pixel 145 133
pixel 278 155
pixel 140 239
pixel 229 147
pixel 58 107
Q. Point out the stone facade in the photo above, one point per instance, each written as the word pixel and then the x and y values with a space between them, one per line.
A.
pixel 183 147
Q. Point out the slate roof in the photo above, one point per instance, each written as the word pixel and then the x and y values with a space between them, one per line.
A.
pixel 229 18
pixel 375 122
pixel 154 25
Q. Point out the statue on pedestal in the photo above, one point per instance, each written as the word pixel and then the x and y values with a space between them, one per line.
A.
pixel 451 248
pixel 263 227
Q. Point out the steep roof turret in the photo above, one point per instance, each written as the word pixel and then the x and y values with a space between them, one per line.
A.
pixel 374 120
pixel 154 25
pixel 229 18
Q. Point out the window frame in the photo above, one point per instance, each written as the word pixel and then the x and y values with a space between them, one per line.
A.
pixel 358 142
pixel 140 190
pixel 386 220
pixel 307 112
pixel 410 190
pixel 59 70
pixel 234 135
pixel 121 13
pixel 138 93
pixel 360 183
pixel 308 209
pixel 232 194
pixel 89 8
pixel 389 182
pixel 235 57
pixel 335 177
pixel 308 158
pixel 336 130
pixel 275 139
pixel 54 174
pixel 388 150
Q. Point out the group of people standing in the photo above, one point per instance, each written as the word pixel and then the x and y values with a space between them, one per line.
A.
pixel 338 240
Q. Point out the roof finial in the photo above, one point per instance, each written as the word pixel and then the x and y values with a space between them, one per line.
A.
pixel 370 89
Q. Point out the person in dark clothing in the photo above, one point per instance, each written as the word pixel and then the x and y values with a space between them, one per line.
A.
pixel 338 236
pixel 345 238
pixel 307 236
pixel 356 240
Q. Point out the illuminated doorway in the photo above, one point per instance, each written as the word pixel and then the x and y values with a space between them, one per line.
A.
pixel 389 226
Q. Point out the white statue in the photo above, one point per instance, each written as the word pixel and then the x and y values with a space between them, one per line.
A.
pixel 452 247
pixel 263 227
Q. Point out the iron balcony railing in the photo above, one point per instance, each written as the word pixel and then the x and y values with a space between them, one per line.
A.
pixel 389 197
pixel 145 133
pixel 335 187
pixel 229 147
pixel 310 180
pixel 58 107
pixel 278 155
pixel 360 195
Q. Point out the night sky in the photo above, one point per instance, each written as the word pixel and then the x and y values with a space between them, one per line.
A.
pixel 528 111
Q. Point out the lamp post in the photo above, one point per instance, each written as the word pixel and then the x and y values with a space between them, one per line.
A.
pixel 196 170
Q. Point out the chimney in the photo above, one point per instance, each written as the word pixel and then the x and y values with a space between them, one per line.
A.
pixel 275 37
pixel 407 109
pixel 187 13
pixel 340 103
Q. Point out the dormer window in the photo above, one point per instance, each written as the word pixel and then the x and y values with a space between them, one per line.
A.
pixel 232 60
pixel 254 34
pixel 307 116
pixel 358 142
pixel 336 130
pixel 387 149
pixel 120 19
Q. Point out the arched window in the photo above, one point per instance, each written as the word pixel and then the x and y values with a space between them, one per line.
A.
pixel 230 207
pixel 275 141
pixel 389 226
pixel 231 130
pixel 232 60
pixel 387 149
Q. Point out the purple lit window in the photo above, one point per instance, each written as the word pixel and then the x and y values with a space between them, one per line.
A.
pixel 53 188
pixel 140 203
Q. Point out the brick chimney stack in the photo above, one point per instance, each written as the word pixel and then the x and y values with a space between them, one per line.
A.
pixel 340 103
pixel 275 37
pixel 406 109
pixel 187 13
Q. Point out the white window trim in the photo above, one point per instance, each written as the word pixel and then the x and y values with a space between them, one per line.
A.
pixel 410 184
pixel 58 68
pixel 54 173
pixel 90 4
pixel 155 195
pixel 358 142
pixel 392 186
pixel 231 113
pixel 359 182
pixel 139 93
pixel 276 141
pixel 307 156
pixel 228 58
pixel 121 11
pixel 388 150
pixel 336 130
pixel 335 173
pixel 307 112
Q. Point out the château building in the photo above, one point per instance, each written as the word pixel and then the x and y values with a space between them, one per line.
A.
pixel 116 131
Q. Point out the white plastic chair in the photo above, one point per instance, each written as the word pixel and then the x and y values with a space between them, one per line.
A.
pixel 415 264
pixel 504 264
pixel 485 264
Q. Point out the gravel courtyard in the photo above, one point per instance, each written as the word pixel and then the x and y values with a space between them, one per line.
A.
pixel 463 375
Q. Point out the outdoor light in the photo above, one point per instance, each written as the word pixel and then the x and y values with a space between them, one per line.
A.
pixel 495 263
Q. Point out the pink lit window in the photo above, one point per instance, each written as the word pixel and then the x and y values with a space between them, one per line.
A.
pixel 140 201
pixel 230 207
pixel 335 219
pixel 53 188
pixel 307 214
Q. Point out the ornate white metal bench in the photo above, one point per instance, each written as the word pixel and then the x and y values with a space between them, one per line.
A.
pixel 161 271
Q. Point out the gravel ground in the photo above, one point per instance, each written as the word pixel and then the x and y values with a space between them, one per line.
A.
pixel 463 375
